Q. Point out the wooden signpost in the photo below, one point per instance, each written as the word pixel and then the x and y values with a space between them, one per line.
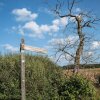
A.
pixel 24 47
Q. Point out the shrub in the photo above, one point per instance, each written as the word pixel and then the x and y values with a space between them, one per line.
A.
pixel 9 77
pixel 42 78
pixel 77 88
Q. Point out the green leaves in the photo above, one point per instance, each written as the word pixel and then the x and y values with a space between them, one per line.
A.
pixel 44 80
pixel 77 88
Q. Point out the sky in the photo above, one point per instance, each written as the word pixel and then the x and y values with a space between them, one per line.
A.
pixel 33 20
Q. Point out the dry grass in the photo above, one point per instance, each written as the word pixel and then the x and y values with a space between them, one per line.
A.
pixel 90 74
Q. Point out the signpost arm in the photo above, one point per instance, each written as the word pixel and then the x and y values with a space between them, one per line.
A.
pixel 23 92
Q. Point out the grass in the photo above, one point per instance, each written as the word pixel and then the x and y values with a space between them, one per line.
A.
pixel 90 73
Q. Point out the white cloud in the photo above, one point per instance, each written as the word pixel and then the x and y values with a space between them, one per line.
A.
pixel 88 54
pixel 61 41
pixel 54 28
pixel 56 41
pixel 10 48
pixel 45 28
pixel 71 39
pixel 64 21
pixel 56 22
pixel 32 29
pixel 32 26
pixel 78 10
pixel 95 44
pixel 39 30
pixel 60 22
pixel 24 14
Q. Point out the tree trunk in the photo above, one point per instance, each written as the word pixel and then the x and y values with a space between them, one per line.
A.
pixel 80 46
pixel 78 54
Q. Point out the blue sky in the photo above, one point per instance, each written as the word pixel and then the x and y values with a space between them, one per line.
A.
pixel 33 20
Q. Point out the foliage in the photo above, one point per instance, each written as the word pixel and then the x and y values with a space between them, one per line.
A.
pixel 42 77
pixel 77 88
pixel 44 80
pixel 9 77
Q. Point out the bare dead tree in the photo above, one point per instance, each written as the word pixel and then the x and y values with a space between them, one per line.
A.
pixel 82 21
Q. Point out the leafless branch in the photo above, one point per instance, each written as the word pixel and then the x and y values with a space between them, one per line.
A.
pixel 79 25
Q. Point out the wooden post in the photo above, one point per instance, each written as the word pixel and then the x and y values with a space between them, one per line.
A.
pixel 23 47
pixel 23 94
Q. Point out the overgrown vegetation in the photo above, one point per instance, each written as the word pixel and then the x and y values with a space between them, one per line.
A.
pixel 77 88
pixel 44 80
